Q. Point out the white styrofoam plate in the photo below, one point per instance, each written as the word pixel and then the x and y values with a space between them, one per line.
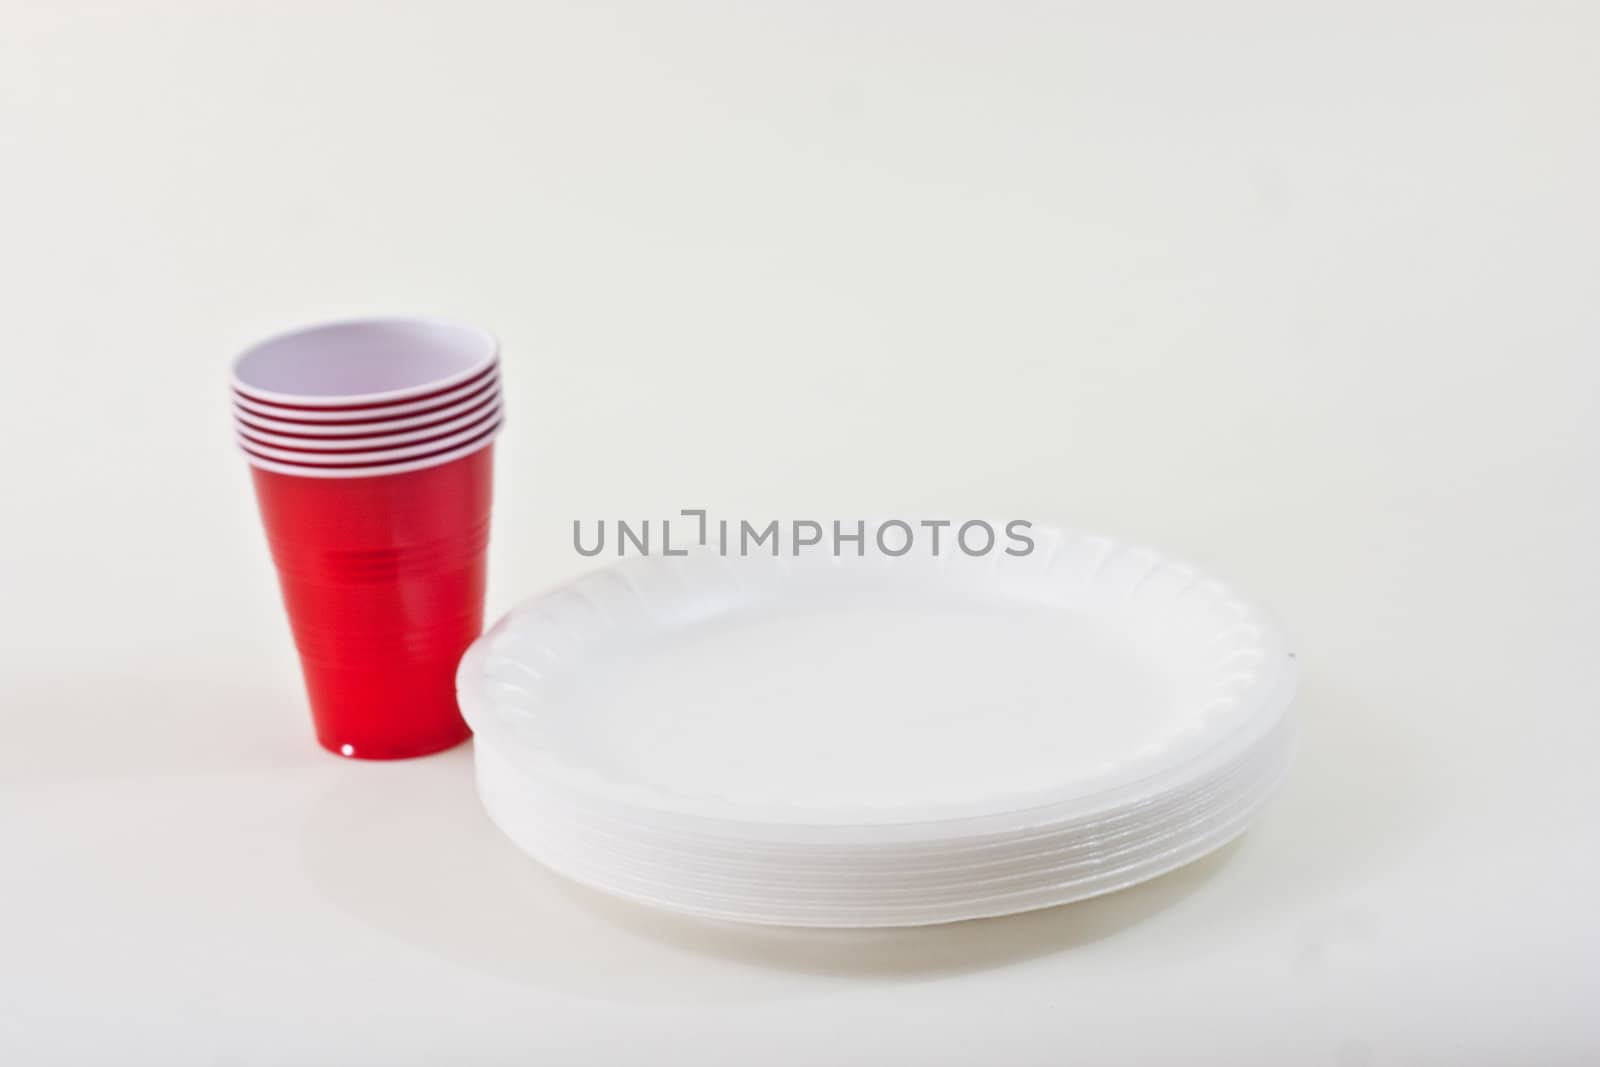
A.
pixel 845 898
pixel 744 736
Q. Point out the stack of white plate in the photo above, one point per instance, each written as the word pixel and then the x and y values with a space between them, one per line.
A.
pixel 876 741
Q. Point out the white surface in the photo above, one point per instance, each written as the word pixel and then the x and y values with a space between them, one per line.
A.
pixel 1308 298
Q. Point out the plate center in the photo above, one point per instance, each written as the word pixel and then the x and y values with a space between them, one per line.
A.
pixel 818 699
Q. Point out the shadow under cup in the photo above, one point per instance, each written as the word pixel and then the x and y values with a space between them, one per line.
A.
pixel 383 579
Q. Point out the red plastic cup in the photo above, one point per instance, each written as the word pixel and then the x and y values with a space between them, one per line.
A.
pixel 381 559
pixel 383 579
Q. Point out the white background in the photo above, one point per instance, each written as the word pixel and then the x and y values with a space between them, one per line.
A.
pixel 1308 296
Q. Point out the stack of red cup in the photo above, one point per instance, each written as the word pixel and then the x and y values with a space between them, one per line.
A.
pixel 371 447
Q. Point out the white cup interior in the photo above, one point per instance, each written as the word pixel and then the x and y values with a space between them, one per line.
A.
pixel 363 361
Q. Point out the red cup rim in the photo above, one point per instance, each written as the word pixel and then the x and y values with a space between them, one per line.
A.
pixel 288 434
pixel 370 470
pixel 420 436
pixel 353 422
pixel 335 413
pixel 369 456
pixel 357 364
